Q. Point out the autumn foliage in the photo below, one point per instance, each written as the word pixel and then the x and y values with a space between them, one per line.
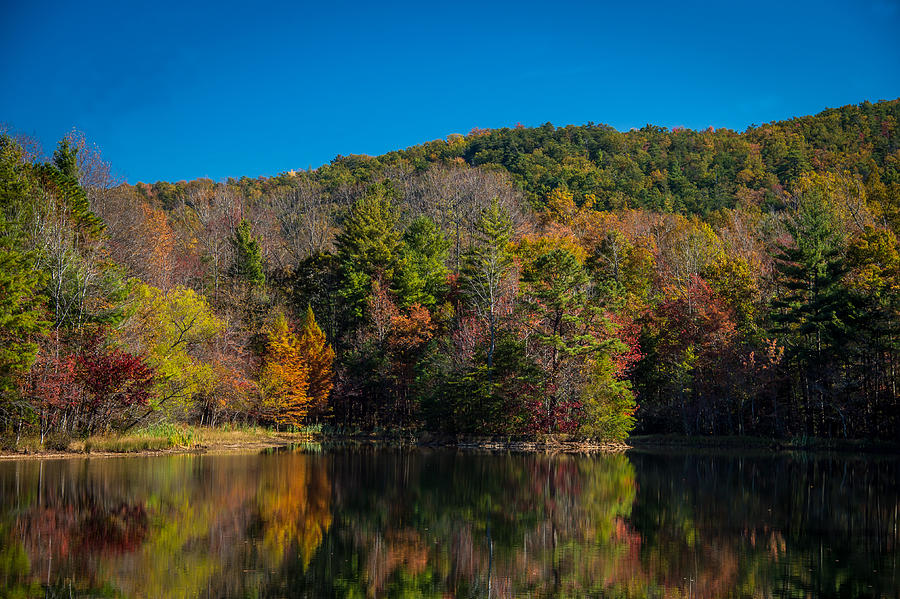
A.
pixel 296 375
pixel 532 281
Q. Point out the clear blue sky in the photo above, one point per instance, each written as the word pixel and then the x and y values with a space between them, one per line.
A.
pixel 179 90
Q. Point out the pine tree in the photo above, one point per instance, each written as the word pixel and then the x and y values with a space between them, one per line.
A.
pixel 422 271
pixel 367 248
pixel 21 313
pixel 248 262
pixel 812 311
pixel 65 159
pixel 21 303
pixel 61 178
pixel 487 269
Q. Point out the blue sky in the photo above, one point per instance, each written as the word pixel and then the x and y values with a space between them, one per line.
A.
pixel 180 90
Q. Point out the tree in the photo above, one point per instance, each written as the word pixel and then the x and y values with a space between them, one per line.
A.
pixel 488 271
pixel 607 401
pixel 422 270
pixel 367 247
pixel 555 297
pixel 410 333
pixel 318 356
pixel 22 312
pixel 811 311
pixel 65 158
pixel 175 329
pixel 61 177
pixel 873 278
pixel 304 219
pixel 209 213
pixel 284 378
pixel 581 350
pixel 114 380
pixel 248 262
pixel 693 331
pixel 87 384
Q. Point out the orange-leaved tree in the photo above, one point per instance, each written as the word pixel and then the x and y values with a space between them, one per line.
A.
pixel 284 378
pixel 318 355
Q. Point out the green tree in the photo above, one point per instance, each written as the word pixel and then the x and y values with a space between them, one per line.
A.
pixel 248 262
pixel 607 401
pixel 367 247
pixel 22 309
pixel 61 178
pixel 488 271
pixel 21 312
pixel 65 158
pixel 812 311
pixel 422 269
pixel 555 297
pixel 873 260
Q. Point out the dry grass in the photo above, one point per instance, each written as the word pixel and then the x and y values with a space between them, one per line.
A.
pixel 162 437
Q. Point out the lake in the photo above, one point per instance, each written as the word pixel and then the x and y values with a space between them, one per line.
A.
pixel 366 522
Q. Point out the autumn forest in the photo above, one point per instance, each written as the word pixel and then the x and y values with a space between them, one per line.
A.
pixel 569 281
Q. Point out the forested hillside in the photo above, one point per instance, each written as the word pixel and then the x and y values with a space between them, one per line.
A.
pixel 523 281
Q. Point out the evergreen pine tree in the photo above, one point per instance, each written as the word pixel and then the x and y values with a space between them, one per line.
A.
pixel 248 262
pixel 61 177
pixel 21 303
pixel 422 270
pixel 812 313
pixel 367 248
pixel 487 267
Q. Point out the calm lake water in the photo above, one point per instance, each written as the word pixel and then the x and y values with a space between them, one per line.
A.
pixel 442 523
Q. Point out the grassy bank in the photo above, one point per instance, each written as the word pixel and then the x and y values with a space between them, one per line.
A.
pixel 157 438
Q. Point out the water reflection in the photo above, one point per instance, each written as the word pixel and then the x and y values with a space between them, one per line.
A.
pixel 390 523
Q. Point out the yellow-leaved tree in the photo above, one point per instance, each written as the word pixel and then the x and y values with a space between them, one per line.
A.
pixel 176 330
pixel 284 378
pixel 318 355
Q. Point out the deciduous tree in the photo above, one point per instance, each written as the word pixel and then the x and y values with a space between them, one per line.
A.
pixel 284 377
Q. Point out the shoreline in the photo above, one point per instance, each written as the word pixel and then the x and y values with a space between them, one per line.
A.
pixel 227 442
pixel 802 444
pixel 286 440
pixel 214 448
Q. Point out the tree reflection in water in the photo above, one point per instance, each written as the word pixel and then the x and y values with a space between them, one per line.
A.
pixel 361 522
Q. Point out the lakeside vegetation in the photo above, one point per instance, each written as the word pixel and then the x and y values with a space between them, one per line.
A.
pixel 160 437
pixel 543 281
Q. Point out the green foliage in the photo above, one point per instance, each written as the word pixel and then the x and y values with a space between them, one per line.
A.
pixel 545 324
pixel 487 268
pixel 21 315
pixel 607 402
pixel 556 293
pixel 61 179
pixel 367 247
pixel 422 268
pixel 248 262
pixel 15 568
pixel 65 159
pixel 476 400
pixel 810 310
pixel 22 310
